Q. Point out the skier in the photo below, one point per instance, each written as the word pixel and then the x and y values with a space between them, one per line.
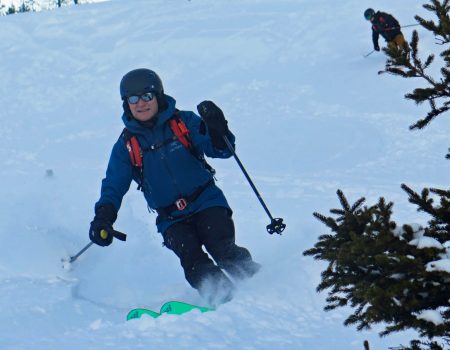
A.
pixel 176 183
pixel 389 28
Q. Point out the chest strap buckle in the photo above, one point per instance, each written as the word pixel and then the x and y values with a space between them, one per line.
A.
pixel 181 203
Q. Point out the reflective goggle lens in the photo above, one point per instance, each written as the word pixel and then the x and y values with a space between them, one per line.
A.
pixel 148 96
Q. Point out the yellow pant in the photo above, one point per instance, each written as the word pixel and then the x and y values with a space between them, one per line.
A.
pixel 399 42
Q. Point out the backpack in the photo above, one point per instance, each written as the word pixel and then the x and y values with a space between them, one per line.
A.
pixel 180 133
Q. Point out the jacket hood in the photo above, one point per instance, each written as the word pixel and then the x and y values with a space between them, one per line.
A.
pixel 136 127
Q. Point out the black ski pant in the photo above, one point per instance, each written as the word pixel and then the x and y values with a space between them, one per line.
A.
pixel 213 229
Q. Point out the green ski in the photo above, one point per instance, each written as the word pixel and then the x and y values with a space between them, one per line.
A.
pixel 171 307
pixel 136 313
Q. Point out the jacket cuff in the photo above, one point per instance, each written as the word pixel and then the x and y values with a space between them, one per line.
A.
pixel 106 212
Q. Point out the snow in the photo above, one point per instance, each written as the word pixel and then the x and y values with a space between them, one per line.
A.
pixel 422 242
pixel 439 265
pixel 431 316
pixel 426 242
pixel 310 114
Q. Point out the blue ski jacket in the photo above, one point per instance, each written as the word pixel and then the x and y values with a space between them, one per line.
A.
pixel 171 172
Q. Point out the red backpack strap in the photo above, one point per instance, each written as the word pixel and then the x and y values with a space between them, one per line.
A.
pixel 133 147
pixel 180 131
pixel 135 153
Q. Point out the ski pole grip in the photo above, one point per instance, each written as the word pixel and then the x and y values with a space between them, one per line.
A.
pixel 104 234
pixel 120 235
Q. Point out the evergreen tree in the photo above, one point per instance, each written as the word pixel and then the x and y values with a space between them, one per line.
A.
pixel 60 3
pixel 11 10
pixel 386 273
pixel 32 5
pixel 26 6
pixel 382 271
pixel 406 63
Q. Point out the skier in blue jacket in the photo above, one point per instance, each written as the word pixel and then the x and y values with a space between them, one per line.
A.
pixel 192 211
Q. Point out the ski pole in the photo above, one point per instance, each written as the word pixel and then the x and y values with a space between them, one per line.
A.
pixel 368 54
pixel 103 233
pixel 75 257
pixel 276 224
pixel 410 25
pixel 393 28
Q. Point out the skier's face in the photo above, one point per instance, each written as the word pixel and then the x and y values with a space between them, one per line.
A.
pixel 144 110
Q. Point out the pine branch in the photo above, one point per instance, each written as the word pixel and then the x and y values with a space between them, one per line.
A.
pixel 343 201
pixel 357 204
pixel 406 63
pixel 423 202
pixel 442 28
pixel 423 345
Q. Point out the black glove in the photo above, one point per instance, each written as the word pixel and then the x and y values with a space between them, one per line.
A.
pixel 216 123
pixel 376 47
pixel 101 231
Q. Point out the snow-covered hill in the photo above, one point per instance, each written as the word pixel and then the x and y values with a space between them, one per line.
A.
pixel 310 114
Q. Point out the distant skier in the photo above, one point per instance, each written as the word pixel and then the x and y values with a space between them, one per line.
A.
pixel 176 183
pixel 388 27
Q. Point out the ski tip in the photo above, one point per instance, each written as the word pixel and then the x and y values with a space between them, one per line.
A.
pixel 180 307
pixel 139 312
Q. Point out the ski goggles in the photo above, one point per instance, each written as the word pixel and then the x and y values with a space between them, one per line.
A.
pixel 148 96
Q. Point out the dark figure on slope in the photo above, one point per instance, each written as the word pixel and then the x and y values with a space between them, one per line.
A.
pixel 388 27
pixel 177 183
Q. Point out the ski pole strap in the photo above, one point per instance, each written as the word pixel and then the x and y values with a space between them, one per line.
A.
pixel 119 235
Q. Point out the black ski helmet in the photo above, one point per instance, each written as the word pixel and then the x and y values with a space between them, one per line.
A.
pixel 142 80
pixel 368 14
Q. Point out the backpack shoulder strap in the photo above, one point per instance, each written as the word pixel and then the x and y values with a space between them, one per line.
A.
pixel 135 153
pixel 181 132
pixel 133 147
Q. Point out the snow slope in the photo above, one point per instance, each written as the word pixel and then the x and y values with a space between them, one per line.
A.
pixel 310 114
